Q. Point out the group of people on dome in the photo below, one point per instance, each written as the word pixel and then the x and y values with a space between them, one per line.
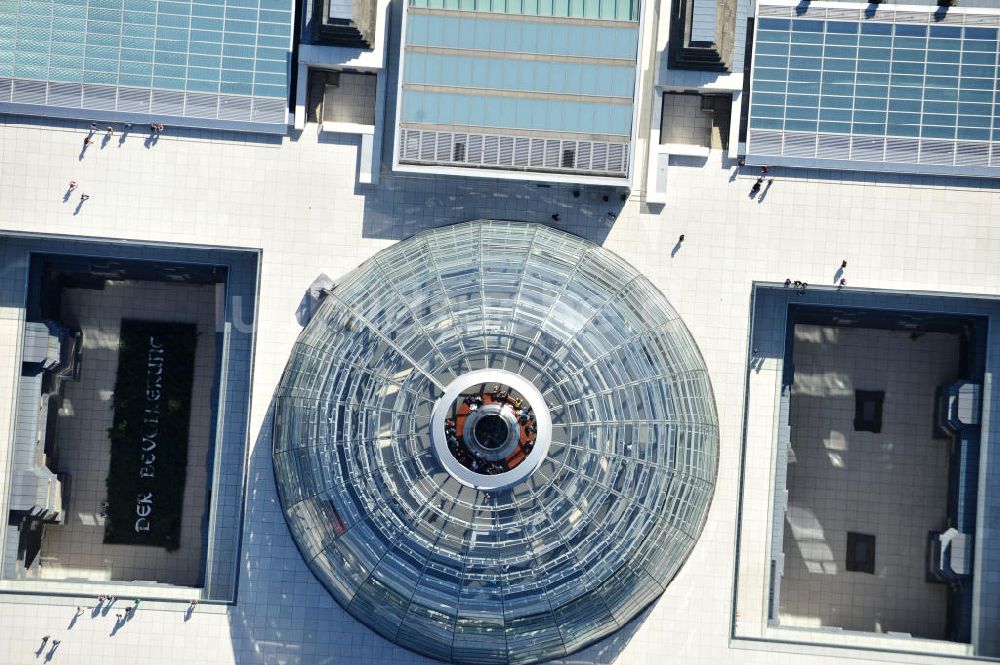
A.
pixel 470 459
pixel 522 410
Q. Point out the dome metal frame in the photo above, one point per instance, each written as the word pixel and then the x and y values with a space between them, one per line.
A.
pixel 536 569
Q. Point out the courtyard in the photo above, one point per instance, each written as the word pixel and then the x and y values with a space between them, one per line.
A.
pixel 892 484
pixel 78 549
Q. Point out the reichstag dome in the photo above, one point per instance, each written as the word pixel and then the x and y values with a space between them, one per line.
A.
pixel 495 443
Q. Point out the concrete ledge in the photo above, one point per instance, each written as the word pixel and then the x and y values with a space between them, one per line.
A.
pixel 685 149
pixel 346 128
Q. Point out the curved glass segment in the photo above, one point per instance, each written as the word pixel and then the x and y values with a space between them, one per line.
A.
pixel 515 573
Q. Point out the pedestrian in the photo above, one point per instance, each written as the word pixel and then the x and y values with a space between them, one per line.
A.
pixel 56 643
pixel 84 197
pixel 72 185
pixel 100 599
pixel 741 162
pixel 118 617
pixel 128 610
pixel 764 170
pixel 79 610
pixel 111 131
pixel 555 217
pixel 612 214
pixel 605 198
pixel 788 281
pixel 843 282
pixel 93 126
pixel 843 264
pixel 152 127
pixel 45 639
pixel 87 141
pixel 797 283
pixel 128 125
pixel 681 239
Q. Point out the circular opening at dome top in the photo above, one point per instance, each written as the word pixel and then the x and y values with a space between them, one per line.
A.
pixel 491 432
pixel 491 429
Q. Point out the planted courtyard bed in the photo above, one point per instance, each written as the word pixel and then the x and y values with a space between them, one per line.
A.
pixel 149 435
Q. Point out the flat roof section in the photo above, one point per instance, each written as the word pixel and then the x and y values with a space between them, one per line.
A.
pixel 211 63
pixel 528 86
pixel 842 86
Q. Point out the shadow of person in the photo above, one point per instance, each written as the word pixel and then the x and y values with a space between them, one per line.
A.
pixel 79 206
pixel 51 653
pixel 66 196
pixel 189 612
pixel 121 137
pixel 118 625
pixel 72 622
pixel 150 140
pixel 763 195
pixel 83 152
pixel 676 248
pixel 107 606
pixel 94 613
pixel 41 647
pixel 105 141
pixel 837 275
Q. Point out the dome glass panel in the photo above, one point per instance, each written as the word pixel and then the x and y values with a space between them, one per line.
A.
pixel 495 442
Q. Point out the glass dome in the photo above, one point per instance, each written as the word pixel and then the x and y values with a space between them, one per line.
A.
pixel 546 517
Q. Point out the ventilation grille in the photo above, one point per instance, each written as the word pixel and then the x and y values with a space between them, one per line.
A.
pixel 842 14
pixel 778 11
pixel 890 150
pixel 265 110
pixel 868 149
pixel 518 153
pixel 866 13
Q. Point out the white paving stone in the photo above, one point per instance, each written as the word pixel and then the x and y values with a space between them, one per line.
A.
pixel 297 201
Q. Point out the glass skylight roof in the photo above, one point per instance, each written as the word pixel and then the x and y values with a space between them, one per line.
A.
pixel 530 568
pixel 519 84
pixel 910 88
pixel 214 60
